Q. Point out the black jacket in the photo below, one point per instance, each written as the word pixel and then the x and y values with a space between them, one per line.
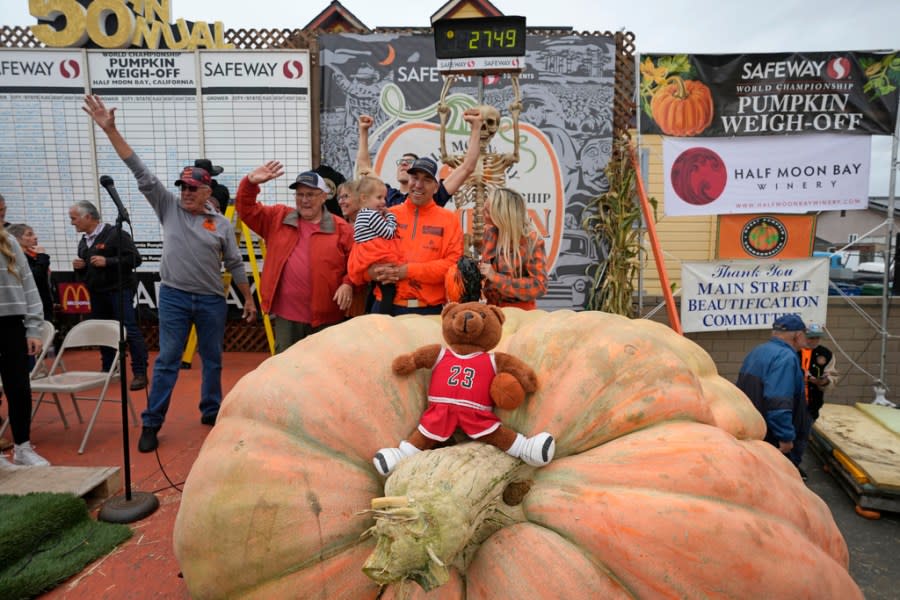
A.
pixel 40 269
pixel 105 279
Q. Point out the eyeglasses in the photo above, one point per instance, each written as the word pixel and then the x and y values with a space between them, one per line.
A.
pixel 405 162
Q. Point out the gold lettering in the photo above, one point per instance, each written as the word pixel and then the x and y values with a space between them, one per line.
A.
pixel 184 36
pixel 219 30
pixel 97 13
pixel 201 36
pixel 157 10
pixel 74 33
pixel 147 33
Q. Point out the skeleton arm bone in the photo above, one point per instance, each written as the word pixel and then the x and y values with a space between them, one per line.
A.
pixel 444 113
pixel 462 170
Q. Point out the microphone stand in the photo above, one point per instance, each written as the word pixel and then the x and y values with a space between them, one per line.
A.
pixel 138 505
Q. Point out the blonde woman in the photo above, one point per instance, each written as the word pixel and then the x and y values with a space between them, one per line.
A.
pixel 513 262
pixel 20 322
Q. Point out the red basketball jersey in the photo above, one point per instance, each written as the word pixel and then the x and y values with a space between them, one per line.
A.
pixel 464 380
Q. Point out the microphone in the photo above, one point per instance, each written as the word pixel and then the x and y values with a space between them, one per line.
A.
pixel 107 182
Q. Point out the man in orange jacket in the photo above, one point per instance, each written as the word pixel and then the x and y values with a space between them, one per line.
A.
pixel 430 241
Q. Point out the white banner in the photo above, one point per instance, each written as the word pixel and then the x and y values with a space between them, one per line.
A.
pixel 751 294
pixel 790 174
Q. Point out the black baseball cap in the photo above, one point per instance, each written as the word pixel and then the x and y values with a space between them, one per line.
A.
pixel 424 165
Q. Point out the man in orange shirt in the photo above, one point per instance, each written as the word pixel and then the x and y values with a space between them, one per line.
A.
pixel 430 241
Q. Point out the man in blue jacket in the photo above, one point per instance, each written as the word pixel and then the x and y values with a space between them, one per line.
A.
pixel 772 379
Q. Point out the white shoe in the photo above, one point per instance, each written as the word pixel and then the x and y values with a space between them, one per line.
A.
pixel 536 451
pixel 5 465
pixel 386 459
pixel 24 455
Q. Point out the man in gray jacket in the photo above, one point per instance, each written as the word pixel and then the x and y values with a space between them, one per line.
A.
pixel 196 241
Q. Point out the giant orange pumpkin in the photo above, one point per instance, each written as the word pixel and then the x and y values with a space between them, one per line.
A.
pixel 682 107
pixel 660 486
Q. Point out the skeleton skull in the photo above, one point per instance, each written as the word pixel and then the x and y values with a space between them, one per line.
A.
pixel 490 122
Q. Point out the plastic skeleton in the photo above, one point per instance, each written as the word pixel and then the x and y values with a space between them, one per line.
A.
pixel 490 172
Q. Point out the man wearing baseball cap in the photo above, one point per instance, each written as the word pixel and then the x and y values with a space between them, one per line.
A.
pixel 430 240
pixel 304 286
pixel 196 242
pixel 446 188
pixel 817 364
pixel 771 378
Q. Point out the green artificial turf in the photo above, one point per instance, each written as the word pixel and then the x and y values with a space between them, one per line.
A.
pixel 46 538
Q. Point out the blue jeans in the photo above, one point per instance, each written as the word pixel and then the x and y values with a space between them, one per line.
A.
pixel 105 305
pixel 177 311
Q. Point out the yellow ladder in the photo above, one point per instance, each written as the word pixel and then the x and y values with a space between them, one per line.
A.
pixel 241 232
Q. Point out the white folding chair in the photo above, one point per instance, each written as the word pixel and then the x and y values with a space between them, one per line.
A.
pixel 93 333
pixel 48 331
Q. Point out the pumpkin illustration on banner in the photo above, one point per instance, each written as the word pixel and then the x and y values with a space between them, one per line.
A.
pixel 661 485
pixel 678 105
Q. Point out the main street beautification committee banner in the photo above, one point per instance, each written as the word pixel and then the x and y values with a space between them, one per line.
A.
pixel 751 294
pixel 723 95
pixel 567 91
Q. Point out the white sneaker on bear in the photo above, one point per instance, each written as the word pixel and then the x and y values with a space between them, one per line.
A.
pixel 536 451
pixel 24 455
pixel 387 459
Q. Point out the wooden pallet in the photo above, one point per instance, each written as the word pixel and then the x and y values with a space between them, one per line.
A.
pixel 94 484
pixel 860 445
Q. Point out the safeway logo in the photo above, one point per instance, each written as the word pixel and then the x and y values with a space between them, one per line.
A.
pixel 69 69
pixel 839 68
pixel 292 69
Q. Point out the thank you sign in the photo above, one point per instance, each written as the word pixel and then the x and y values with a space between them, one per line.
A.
pixel 748 294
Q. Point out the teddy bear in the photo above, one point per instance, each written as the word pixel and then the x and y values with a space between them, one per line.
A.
pixel 467 381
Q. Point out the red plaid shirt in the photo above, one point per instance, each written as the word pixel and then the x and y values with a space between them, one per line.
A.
pixel 504 288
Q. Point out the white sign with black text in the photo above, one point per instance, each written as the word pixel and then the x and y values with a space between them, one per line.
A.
pixel 767 174
pixel 751 294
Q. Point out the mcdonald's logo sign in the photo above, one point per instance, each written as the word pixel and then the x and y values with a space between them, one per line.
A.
pixel 74 298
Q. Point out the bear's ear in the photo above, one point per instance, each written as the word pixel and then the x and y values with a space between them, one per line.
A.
pixel 447 308
pixel 499 312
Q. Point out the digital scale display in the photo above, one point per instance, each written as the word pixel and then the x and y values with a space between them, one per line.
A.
pixel 479 38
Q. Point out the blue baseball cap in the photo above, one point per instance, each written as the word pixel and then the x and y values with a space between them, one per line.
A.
pixel 789 323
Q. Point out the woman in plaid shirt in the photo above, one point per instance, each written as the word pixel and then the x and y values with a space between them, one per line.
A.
pixel 513 260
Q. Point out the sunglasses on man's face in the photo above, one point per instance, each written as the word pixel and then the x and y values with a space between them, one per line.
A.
pixel 190 188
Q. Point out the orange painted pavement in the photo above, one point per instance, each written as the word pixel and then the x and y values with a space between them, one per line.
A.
pixel 144 567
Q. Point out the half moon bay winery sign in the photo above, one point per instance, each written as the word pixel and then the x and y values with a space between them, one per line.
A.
pixel 117 24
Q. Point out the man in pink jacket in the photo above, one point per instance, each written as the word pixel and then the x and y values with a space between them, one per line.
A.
pixel 304 284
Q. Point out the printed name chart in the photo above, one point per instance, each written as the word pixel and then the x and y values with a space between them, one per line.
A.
pixel 238 109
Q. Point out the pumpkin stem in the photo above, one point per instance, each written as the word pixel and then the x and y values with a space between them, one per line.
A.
pixel 681 93
pixel 439 506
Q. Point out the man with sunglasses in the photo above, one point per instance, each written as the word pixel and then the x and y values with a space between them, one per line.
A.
pixel 446 188
pixel 197 240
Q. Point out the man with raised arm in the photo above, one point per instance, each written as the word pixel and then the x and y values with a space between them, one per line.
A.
pixel 446 188
pixel 197 240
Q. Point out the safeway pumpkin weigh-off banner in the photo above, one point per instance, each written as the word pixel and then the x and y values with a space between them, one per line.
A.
pixel 724 95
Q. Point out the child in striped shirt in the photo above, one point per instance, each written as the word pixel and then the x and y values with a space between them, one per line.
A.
pixel 374 232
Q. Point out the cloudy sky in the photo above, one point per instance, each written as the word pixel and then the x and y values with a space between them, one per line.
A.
pixel 691 26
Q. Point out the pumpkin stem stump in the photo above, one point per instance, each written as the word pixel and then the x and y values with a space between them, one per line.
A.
pixel 440 505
